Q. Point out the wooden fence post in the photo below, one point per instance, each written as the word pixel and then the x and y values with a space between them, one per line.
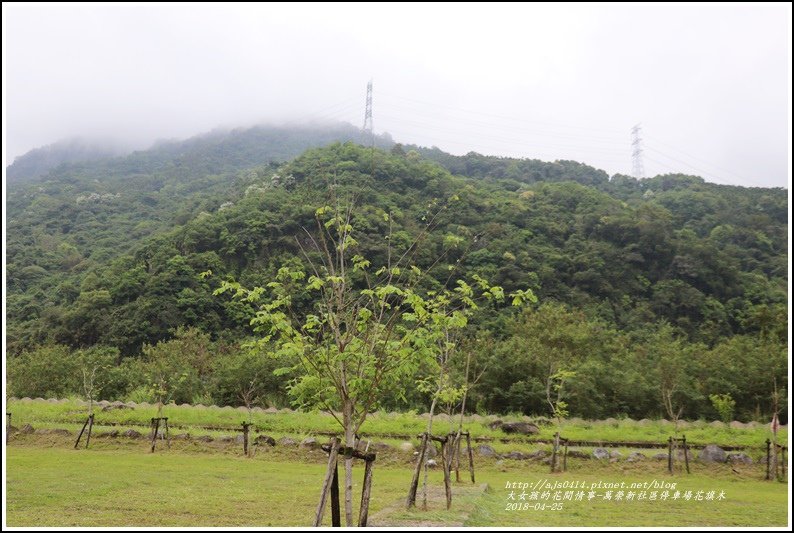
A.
pixel 8 427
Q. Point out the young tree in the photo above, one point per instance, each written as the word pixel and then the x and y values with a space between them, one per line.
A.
pixel 368 331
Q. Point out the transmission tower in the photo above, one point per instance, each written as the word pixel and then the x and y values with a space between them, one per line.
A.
pixel 369 136
pixel 637 169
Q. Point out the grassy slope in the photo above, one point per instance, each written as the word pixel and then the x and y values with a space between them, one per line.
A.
pixel 48 414
pixel 58 486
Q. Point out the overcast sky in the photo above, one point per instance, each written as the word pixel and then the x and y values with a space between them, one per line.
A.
pixel 710 84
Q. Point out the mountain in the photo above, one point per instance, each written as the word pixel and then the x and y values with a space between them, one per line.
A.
pixel 109 252
pixel 39 161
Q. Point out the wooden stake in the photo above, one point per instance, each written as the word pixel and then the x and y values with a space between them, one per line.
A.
pixel 445 466
pixel 670 454
pixel 471 456
pixel 365 492
pixel 411 502
pixel 554 451
pixel 167 436
pixel 8 427
pixel 332 457
pixel 336 512
pixel 155 429
pixel 565 457
pixel 245 438
pixel 783 462
pixel 90 427
pixel 768 458
pixel 77 442
pixel 686 453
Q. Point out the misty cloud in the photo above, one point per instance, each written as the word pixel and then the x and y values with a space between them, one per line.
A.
pixel 711 85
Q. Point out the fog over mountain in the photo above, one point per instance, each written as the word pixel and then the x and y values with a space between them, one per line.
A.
pixel 710 85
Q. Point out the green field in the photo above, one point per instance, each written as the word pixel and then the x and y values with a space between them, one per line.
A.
pixel 120 484
pixel 117 482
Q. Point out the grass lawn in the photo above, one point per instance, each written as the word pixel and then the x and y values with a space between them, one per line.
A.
pixel 53 485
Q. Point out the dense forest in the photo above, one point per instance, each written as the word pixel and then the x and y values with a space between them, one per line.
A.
pixel 667 283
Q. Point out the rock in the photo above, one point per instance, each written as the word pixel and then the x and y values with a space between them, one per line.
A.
pixel 271 410
pixel 712 454
pixel 660 457
pixel 103 403
pixel 635 456
pixel 407 447
pixel 131 405
pixel 242 409
pixel 600 453
pixel 26 399
pixel 131 434
pixel 286 441
pixel 13 429
pixel 431 463
pixel 496 424
pixel 261 440
pixel 643 422
pixel 201 406
pixel 27 429
pixel 514 455
pixel 239 439
pixel 679 454
pixel 380 446
pixel 52 400
pixel 113 434
pixel 615 456
pixel 717 424
pixel 61 432
pixel 611 421
pixel 538 454
pixel 181 436
pixel 522 428
pixel 116 405
pixel 226 438
pixel 310 442
pixel 737 425
pixel 204 438
pixel 740 458
pixel 486 451
pixel 578 454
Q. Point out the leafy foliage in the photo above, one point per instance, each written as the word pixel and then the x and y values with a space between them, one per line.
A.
pixel 631 272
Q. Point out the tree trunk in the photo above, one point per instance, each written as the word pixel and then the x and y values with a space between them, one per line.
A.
pixel 350 442
pixel 429 443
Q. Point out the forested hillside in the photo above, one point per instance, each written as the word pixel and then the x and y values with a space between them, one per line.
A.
pixel 640 282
